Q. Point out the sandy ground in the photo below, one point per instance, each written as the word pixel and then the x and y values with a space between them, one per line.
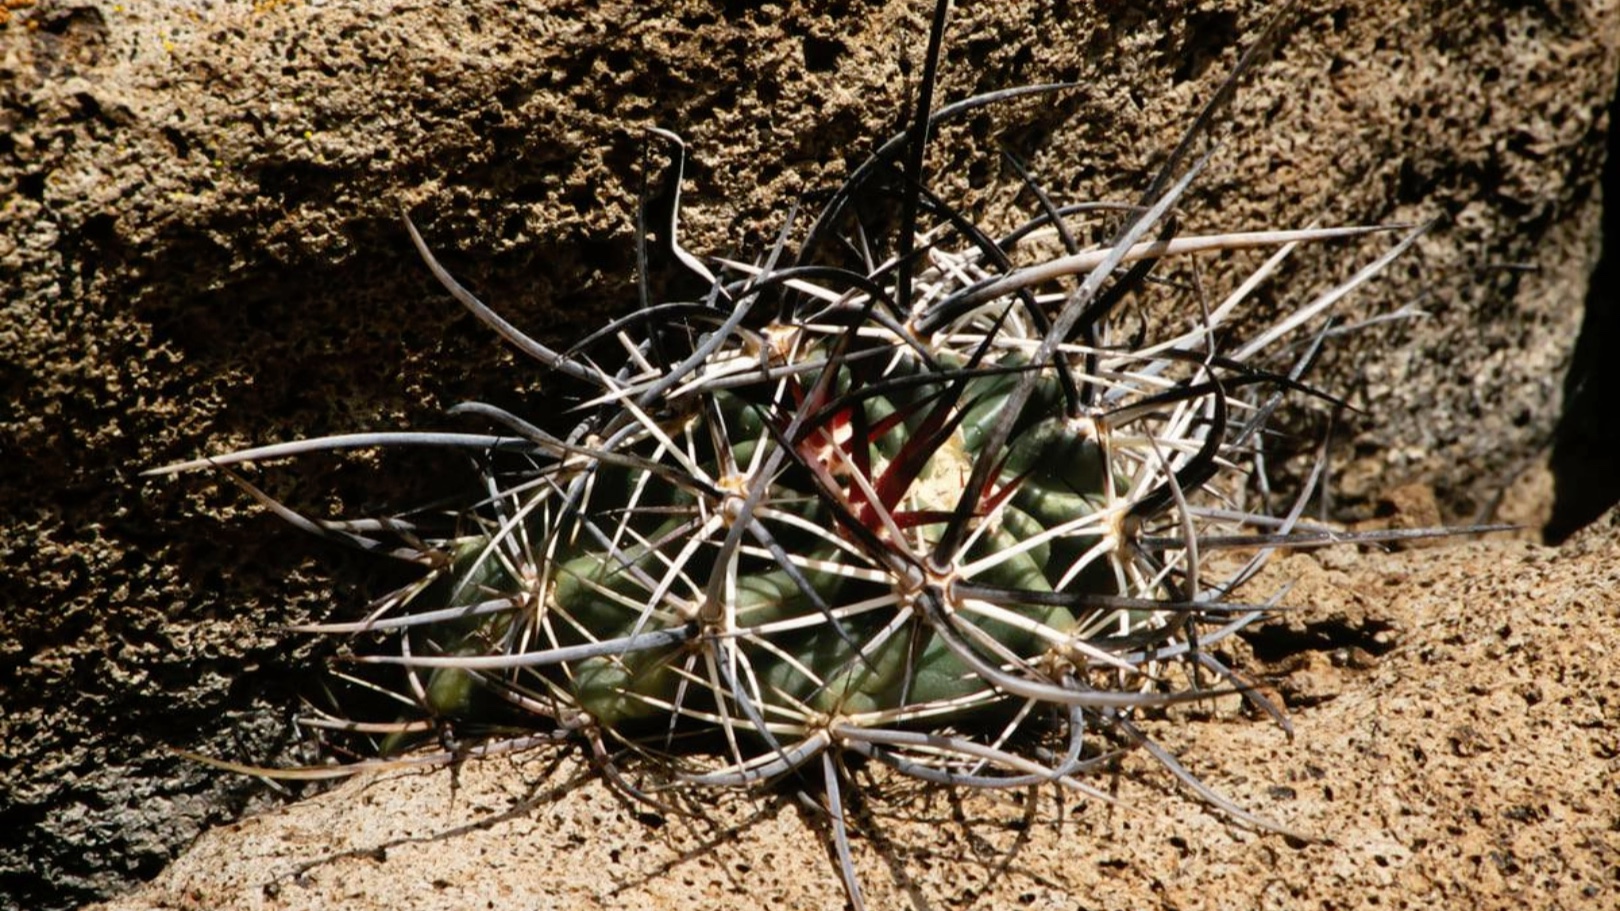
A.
pixel 1456 746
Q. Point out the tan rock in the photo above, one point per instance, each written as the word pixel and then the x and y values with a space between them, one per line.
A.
pixel 199 249
pixel 1473 765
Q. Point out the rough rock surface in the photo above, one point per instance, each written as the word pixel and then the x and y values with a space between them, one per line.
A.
pixel 1455 746
pixel 200 249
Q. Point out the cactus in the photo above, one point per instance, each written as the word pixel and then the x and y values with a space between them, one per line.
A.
pixel 927 504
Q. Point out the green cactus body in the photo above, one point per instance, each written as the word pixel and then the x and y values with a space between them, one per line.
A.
pixel 880 660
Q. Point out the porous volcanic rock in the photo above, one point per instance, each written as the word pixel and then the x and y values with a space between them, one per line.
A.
pixel 1455 747
pixel 200 249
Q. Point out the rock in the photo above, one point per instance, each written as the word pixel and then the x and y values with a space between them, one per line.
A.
pixel 1471 766
pixel 1586 444
pixel 201 250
